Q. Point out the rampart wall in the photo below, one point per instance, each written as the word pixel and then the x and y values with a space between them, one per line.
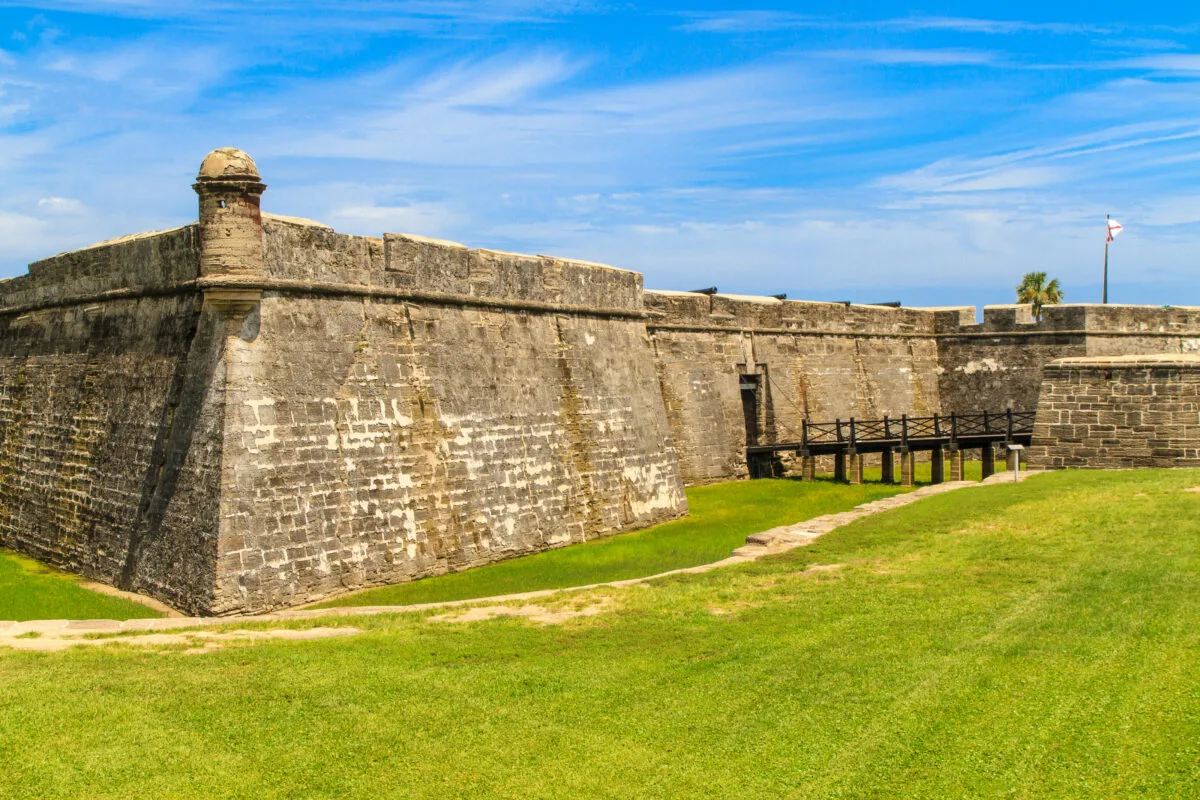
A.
pixel 1000 360
pixel 408 407
pixel 1119 412
pixel 111 416
pixel 825 361
pixel 812 360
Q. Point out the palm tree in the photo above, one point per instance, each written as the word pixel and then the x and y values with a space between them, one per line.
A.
pixel 1035 291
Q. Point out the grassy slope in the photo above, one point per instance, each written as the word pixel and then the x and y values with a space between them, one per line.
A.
pixel 29 590
pixel 1033 640
pixel 721 517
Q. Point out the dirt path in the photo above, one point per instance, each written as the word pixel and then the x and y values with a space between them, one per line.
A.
pixel 60 633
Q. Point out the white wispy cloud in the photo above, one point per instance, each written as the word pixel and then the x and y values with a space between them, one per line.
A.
pixel 522 111
pixel 1141 44
pixel 286 17
pixel 993 26
pixel 428 219
pixel 1185 63
pixel 938 57
pixel 60 205
pixel 757 21
pixel 748 21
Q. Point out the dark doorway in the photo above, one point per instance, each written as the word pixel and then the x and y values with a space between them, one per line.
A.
pixel 749 386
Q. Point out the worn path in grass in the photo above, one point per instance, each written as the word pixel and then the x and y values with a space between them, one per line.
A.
pixel 1031 640
pixel 50 635
pixel 721 516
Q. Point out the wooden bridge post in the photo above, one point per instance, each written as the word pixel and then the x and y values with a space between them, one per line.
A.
pixel 808 462
pixel 937 465
pixel 839 466
pixel 908 461
pixel 855 458
pixel 887 466
pixel 988 453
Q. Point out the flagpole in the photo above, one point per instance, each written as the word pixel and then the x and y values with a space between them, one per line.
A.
pixel 1107 235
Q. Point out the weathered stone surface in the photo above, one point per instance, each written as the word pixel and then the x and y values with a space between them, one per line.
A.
pixel 814 360
pixel 271 413
pixel 372 439
pixel 1141 411
pixel 110 420
pixel 1001 359
pixel 824 361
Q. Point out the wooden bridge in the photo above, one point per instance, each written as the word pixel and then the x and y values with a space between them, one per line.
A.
pixel 848 440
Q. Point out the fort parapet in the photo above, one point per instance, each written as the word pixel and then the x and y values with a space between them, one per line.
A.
pixel 1001 359
pixel 255 411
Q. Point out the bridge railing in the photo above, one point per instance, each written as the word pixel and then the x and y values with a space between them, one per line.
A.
pixel 999 425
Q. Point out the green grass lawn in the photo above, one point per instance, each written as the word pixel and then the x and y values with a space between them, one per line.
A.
pixel 1034 640
pixel 29 590
pixel 721 517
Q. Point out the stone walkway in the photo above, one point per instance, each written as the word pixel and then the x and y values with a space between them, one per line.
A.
pixel 22 635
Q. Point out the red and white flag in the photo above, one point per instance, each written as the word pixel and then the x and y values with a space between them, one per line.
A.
pixel 1114 228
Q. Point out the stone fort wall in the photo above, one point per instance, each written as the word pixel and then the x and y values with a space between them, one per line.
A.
pixel 1001 359
pixel 1119 412
pixel 257 412
pixel 817 361
pixel 111 416
pixel 825 361
pixel 253 411
pixel 407 407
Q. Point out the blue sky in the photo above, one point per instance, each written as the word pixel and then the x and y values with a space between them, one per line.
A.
pixel 868 151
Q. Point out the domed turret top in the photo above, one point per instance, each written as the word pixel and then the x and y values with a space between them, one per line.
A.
pixel 228 164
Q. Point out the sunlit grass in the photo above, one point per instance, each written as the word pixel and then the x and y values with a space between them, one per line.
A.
pixel 29 590
pixel 1018 640
pixel 721 517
